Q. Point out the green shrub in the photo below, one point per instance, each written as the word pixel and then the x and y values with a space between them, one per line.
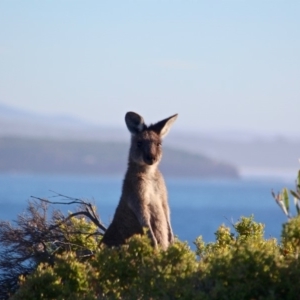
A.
pixel 238 265
pixel 290 236
pixel 133 271
pixel 67 279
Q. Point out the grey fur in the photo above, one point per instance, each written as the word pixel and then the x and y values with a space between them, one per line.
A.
pixel 144 201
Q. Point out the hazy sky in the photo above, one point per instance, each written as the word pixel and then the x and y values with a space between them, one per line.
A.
pixel 222 65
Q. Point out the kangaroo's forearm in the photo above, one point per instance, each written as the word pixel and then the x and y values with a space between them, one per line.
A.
pixel 143 216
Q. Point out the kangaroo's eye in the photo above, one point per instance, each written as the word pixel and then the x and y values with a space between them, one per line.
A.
pixel 139 144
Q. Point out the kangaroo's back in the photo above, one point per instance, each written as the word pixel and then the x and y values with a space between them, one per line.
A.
pixel 144 200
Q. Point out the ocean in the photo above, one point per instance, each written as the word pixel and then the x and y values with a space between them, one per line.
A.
pixel 198 207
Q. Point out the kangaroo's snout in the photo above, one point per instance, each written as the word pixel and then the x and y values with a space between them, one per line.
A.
pixel 151 152
pixel 149 159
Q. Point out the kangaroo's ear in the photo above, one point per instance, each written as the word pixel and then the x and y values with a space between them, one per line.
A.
pixel 135 122
pixel 162 127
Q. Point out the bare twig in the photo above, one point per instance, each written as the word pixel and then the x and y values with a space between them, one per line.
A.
pixel 37 236
pixel 89 211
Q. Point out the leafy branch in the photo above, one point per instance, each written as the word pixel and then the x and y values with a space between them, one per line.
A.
pixel 283 198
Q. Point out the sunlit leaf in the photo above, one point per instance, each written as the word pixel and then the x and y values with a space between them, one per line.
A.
pixel 279 200
pixel 281 204
pixel 285 198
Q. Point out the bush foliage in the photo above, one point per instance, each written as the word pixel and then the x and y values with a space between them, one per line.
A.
pixel 240 264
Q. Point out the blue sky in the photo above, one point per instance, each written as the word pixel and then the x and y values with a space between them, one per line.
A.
pixel 222 65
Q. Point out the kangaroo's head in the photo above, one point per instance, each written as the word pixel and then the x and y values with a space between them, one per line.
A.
pixel 146 140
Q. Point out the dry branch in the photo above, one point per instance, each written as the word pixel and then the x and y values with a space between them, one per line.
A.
pixel 37 235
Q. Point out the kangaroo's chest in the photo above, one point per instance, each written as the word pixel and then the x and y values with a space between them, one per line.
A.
pixel 153 193
pixel 155 198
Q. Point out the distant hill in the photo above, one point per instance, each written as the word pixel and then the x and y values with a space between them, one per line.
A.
pixel 29 155
pixel 22 123
pixel 252 153
pixel 15 114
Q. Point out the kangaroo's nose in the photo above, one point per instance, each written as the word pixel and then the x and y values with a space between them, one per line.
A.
pixel 149 159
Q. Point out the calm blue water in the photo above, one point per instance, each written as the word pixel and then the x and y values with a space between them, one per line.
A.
pixel 198 207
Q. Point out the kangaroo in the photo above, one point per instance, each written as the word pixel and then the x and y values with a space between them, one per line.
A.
pixel 143 201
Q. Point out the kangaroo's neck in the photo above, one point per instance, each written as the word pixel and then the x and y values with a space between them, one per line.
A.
pixel 136 168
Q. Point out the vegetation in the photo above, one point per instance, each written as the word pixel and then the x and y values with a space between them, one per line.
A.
pixel 283 199
pixel 240 264
pixel 39 235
